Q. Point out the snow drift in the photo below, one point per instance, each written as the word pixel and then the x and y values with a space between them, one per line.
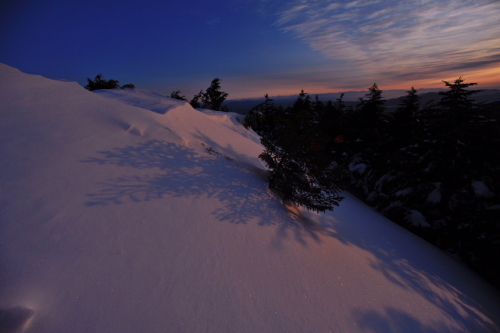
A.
pixel 127 211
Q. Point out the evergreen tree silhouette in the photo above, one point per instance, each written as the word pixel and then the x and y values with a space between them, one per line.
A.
pixel 296 151
pixel 259 117
pixel 177 95
pixel 456 103
pixel 195 101
pixel 213 98
pixel 100 83
pixel 405 117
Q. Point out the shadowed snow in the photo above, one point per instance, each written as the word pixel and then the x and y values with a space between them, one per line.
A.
pixel 114 218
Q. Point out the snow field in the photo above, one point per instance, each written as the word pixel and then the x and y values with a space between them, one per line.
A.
pixel 127 211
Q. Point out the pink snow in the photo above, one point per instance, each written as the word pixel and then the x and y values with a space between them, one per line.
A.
pixel 127 211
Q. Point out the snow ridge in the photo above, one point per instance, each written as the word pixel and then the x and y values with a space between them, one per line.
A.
pixel 114 218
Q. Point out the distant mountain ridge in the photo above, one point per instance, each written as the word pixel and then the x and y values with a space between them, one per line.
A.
pixel 392 98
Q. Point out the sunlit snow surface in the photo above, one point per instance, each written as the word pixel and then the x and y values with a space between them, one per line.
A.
pixel 114 218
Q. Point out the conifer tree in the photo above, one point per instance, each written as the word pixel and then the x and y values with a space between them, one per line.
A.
pixel 302 169
pixel 369 125
pixel 405 116
pixel 330 120
pixel 456 102
pixel 373 106
pixel 340 105
pixel 258 118
pixel 195 101
pixel 213 98
pixel 177 95
pixel 318 105
pixel 409 106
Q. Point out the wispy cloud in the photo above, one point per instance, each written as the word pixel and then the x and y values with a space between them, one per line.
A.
pixel 390 39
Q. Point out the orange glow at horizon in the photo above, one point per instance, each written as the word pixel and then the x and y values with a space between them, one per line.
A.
pixel 485 78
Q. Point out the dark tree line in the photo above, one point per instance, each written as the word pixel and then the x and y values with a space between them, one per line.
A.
pixel 432 169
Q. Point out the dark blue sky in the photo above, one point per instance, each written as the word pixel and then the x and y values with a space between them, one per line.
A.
pixel 255 46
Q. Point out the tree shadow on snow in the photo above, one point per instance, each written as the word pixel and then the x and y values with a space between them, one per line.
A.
pixel 401 263
pixel 391 320
pixel 173 170
pixel 168 169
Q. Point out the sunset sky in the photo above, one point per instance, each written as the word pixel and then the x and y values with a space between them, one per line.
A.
pixel 256 46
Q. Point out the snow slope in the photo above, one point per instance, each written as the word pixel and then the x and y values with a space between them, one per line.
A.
pixel 127 211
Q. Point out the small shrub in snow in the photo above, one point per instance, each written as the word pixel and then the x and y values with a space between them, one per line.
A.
pixel 177 95
pixel 100 83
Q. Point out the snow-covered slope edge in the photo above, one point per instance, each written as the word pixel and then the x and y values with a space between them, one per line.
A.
pixel 114 218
